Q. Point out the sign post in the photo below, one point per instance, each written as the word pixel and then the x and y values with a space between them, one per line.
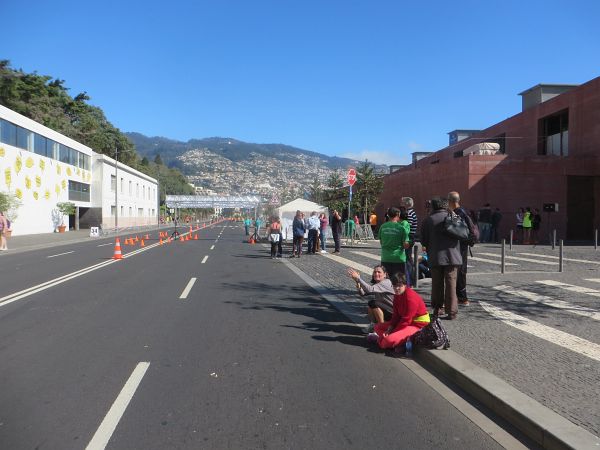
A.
pixel 351 181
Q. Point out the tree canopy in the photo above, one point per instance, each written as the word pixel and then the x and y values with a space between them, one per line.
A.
pixel 47 101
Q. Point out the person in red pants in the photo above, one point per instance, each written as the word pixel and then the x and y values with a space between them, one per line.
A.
pixel 409 316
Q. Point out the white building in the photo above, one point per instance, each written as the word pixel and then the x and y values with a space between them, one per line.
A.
pixel 42 168
pixel 135 202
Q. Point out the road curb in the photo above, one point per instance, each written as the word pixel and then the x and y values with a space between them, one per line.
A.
pixel 544 426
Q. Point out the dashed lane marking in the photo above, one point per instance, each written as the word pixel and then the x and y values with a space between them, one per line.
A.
pixel 547 263
pixel 545 300
pixel 571 287
pixel 557 257
pixel 188 288
pixel 116 411
pixel 60 254
pixel 104 245
pixel 212 247
pixel 204 259
pixel 566 340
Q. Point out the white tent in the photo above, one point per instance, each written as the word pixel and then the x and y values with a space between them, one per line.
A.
pixel 287 213
pixel 483 148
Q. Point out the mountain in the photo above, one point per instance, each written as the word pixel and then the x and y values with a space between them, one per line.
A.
pixel 229 166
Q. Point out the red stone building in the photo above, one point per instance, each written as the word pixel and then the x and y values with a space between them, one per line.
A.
pixel 547 154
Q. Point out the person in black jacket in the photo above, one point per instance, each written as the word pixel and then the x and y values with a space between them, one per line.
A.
pixel 444 259
pixel 461 279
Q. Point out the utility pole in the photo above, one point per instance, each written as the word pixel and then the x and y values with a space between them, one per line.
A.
pixel 116 190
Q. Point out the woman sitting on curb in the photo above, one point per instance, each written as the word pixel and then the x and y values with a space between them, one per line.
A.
pixel 409 316
pixel 381 307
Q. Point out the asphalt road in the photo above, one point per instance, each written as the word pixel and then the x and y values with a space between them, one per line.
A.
pixel 250 358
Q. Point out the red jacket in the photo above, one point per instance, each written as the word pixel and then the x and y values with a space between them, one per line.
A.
pixel 407 307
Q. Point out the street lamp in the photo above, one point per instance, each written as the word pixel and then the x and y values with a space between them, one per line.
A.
pixel 116 190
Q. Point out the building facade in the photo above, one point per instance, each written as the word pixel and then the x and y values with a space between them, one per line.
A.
pixel 41 168
pixel 549 153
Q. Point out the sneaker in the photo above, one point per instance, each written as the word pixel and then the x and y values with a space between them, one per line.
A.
pixel 464 302
pixel 369 328
pixel 373 338
pixel 323 251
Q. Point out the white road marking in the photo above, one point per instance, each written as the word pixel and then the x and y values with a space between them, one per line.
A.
pixel 471 258
pixel 521 259
pixel 570 307
pixel 566 340
pixel 491 261
pixel 570 287
pixel 188 288
pixel 212 247
pixel 104 245
pixel 60 254
pixel 204 259
pixel 557 257
pixel 116 411
pixel 595 280
pixel 360 267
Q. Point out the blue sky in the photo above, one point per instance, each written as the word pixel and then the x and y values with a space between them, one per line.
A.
pixel 365 79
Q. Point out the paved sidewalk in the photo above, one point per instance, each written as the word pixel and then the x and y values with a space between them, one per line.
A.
pixel 551 392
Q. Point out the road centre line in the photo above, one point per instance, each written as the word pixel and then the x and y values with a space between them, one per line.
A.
pixel 188 288
pixel 204 259
pixel 566 340
pixel 111 420
pixel 557 257
pixel 60 254
pixel 569 307
pixel 570 287
pixel 522 259
pixel 10 298
pixel 212 247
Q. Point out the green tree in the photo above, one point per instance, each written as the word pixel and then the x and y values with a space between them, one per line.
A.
pixel 158 160
pixel 315 191
pixel 367 189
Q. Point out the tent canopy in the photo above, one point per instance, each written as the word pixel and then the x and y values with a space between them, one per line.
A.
pixel 287 213
pixel 483 148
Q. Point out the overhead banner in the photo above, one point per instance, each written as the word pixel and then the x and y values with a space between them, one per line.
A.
pixel 212 201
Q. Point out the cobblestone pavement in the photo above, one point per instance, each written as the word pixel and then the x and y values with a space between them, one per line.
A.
pixel 548 307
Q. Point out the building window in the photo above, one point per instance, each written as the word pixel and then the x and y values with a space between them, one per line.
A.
pixel 79 191
pixel 130 212
pixel 140 212
pixel 122 186
pixel 113 209
pixel 8 133
pixel 64 154
pixel 40 143
pixel 122 211
pixel 137 190
pixel 130 189
pixel 113 183
pixel 24 138
pixel 554 134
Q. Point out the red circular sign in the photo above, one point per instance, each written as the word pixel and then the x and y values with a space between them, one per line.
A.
pixel 351 177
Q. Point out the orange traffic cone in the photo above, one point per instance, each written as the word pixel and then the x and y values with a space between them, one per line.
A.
pixel 147 236
pixel 160 242
pixel 195 237
pixel 137 239
pixel 142 243
pixel 168 240
pixel 118 254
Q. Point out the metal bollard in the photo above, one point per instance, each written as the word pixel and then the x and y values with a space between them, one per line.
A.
pixel 503 256
pixel 560 256
pixel 416 266
pixel 596 239
pixel 553 239
pixel 511 240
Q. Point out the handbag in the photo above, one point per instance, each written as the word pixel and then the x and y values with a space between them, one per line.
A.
pixel 274 237
pixel 456 228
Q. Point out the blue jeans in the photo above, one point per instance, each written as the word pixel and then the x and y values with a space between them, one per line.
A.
pixel 323 240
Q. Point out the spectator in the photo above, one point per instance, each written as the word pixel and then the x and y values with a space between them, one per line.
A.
pixel 247 224
pixel 484 221
pixel 298 231
pixel 336 230
pixel 496 218
pixel 537 220
pixel 408 317
pixel 444 259
pixel 373 222
pixel 461 279
pixel 527 225
pixel 394 240
pixel 257 224
pixel 314 224
pixel 380 308
pixel 3 231
pixel 519 216
pixel 323 232
pixel 412 237
pixel 274 234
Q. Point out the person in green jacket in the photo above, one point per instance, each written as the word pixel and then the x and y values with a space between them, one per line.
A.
pixel 393 236
pixel 527 225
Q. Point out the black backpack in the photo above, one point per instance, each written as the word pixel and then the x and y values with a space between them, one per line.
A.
pixel 433 335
